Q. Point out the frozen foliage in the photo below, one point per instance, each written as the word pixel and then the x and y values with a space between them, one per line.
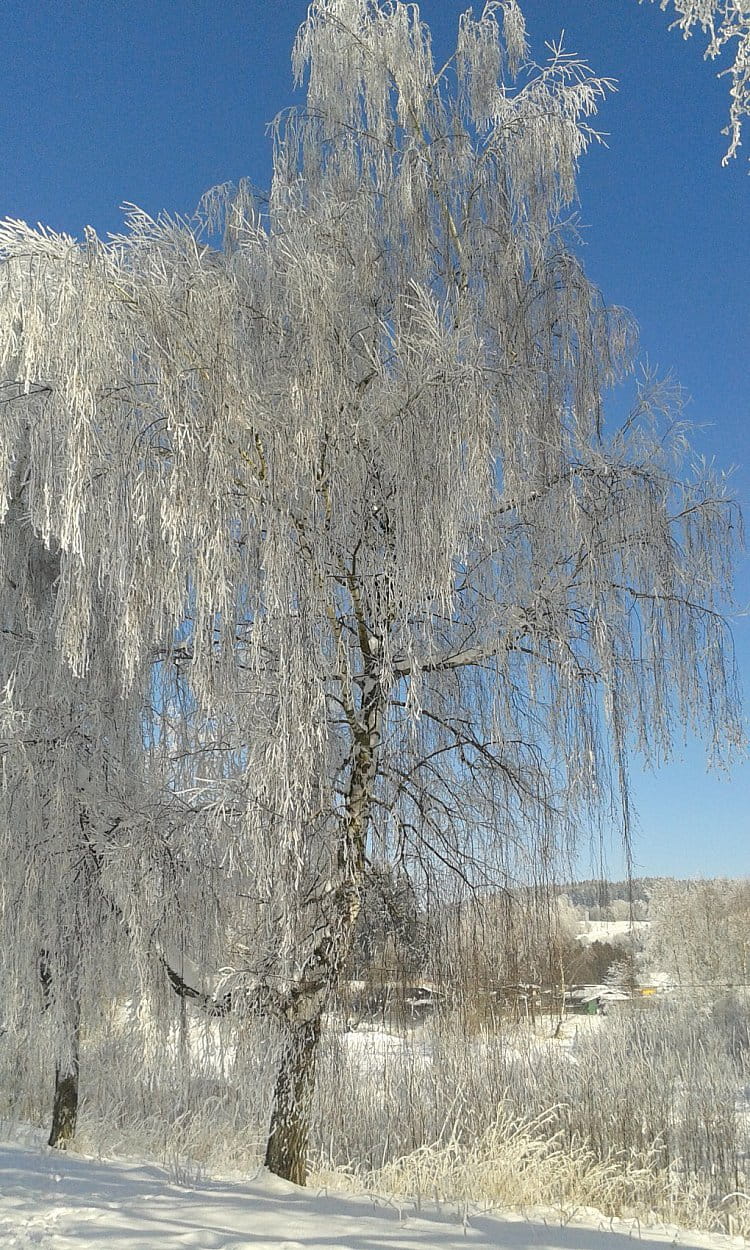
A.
pixel 726 23
pixel 699 936
pixel 317 544
pixel 642 1113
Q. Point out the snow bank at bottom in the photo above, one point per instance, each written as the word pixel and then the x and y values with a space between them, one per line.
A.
pixel 54 1201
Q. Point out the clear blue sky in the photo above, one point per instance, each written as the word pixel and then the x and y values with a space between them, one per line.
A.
pixel 154 102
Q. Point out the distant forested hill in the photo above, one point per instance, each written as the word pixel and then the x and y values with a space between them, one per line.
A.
pixel 599 893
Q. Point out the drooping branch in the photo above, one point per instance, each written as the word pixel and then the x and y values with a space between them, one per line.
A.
pixel 723 22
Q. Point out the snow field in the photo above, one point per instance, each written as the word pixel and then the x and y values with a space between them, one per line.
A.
pixel 611 930
pixel 65 1202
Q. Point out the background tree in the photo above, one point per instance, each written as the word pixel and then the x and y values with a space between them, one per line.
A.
pixel 345 475
pixel 69 755
pixel 390 926
pixel 699 934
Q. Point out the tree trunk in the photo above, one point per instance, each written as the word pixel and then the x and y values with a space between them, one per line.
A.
pixel 65 1106
pixel 286 1152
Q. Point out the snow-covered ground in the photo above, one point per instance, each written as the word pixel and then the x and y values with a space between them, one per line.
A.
pixel 610 930
pixel 372 1047
pixel 55 1201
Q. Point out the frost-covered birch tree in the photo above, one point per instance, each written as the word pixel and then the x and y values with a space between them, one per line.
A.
pixel 69 757
pixel 336 461
pixel 699 935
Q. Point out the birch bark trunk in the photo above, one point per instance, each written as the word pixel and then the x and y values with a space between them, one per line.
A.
pixel 286 1153
pixel 67 1068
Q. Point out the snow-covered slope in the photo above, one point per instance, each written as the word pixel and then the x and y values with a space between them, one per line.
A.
pixel 65 1202
pixel 613 931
